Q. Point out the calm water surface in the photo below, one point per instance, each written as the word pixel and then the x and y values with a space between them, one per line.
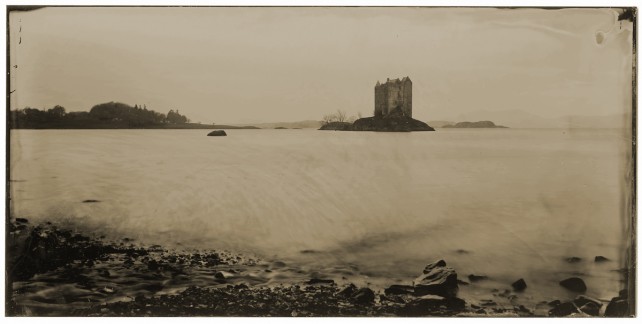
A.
pixel 381 205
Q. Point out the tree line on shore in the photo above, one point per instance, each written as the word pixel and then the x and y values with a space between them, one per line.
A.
pixel 105 115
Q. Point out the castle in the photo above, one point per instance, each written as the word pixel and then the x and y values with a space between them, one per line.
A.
pixel 393 94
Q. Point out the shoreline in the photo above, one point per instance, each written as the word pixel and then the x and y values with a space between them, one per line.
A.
pixel 56 271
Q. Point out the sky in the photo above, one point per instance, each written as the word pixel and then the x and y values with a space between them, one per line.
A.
pixel 251 65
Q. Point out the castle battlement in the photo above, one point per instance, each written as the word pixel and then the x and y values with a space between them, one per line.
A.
pixel 393 94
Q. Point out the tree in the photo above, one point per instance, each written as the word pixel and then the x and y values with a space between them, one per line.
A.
pixel 341 116
pixel 329 118
pixel 56 112
pixel 176 117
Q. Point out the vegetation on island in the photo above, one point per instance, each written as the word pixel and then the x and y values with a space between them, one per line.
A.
pixel 111 115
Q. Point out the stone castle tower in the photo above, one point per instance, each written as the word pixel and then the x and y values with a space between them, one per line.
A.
pixel 393 94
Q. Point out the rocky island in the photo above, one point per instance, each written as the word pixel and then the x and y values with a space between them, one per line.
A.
pixel 479 124
pixel 393 111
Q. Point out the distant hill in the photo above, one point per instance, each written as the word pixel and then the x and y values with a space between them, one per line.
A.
pixel 524 119
pixel 297 124
pixel 479 124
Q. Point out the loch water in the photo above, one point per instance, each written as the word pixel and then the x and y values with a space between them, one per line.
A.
pixel 365 207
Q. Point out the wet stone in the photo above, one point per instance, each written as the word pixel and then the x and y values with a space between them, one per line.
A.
pixel 563 309
pixel 519 285
pixel 364 296
pixel 399 290
pixel 475 278
pixel 320 281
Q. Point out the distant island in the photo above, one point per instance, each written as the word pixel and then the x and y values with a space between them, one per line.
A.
pixel 111 115
pixel 393 111
pixel 479 124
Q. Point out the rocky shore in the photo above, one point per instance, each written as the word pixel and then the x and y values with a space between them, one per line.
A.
pixel 54 271
pixel 395 121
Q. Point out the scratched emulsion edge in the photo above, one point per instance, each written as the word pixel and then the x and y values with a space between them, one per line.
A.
pixel 632 255
pixel 9 125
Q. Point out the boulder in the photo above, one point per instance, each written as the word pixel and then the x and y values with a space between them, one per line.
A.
pixel 320 281
pixel 573 259
pixel 364 296
pixel 519 285
pixel 223 275
pixel 399 290
pixel 428 304
pixel 437 279
pixel 218 132
pixel 600 258
pixel 574 284
pixel 582 300
pixel 618 306
pixel 563 309
pixel 348 291
pixel 588 305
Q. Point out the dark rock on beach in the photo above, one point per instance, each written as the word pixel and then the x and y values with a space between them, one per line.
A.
pixel 573 260
pixel 218 132
pixel 580 305
pixel 519 285
pixel 564 309
pixel 588 305
pixel 348 291
pixel 364 296
pixel 574 284
pixel 618 306
pixel 399 290
pixel 437 279
pixel 314 281
pixel 427 304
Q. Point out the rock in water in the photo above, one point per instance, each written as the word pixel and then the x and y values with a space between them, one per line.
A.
pixel 574 284
pixel 218 132
pixel 600 258
pixel 519 285
pixel 474 278
pixel 573 259
pixel 437 279
pixel 364 296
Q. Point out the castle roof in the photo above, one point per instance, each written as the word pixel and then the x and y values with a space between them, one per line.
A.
pixel 393 81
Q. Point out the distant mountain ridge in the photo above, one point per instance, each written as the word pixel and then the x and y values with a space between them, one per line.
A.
pixel 479 124
pixel 296 124
pixel 524 119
